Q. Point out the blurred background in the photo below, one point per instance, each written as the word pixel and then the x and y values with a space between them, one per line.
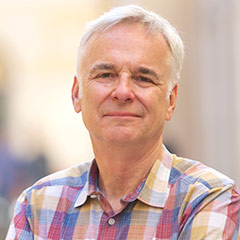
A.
pixel 39 131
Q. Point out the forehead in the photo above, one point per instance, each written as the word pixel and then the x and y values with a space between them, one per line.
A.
pixel 129 29
pixel 126 42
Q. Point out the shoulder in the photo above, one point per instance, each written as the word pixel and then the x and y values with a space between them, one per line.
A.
pixel 52 194
pixel 192 172
pixel 205 200
pixel 74 177
pixel 71 176
pixel 195 184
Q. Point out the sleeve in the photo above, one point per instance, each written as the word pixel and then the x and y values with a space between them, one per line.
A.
pixel 213 215
pixel 20 227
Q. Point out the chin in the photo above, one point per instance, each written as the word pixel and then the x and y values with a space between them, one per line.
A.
pixel 121 135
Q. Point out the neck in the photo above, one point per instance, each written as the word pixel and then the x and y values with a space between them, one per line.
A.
pixel 122 168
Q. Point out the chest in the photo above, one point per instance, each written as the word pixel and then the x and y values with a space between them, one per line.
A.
pixel 136 221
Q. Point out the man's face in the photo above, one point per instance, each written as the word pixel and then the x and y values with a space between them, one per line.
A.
pixel 124 76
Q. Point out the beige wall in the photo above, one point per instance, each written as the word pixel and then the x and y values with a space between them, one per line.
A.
pixel 38 42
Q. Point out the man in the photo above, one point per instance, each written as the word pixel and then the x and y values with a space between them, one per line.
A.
pixel 126 87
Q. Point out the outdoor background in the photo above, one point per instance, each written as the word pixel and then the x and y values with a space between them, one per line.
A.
pixel 39 131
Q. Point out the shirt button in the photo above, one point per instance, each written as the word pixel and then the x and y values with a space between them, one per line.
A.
pixel 93 196
pixel 111 221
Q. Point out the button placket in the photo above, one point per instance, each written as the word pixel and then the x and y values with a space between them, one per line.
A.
pixel 111 221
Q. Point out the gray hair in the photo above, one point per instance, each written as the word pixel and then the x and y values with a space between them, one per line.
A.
pixel 153 22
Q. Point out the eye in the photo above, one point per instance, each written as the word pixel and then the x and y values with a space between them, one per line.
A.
pixel 105 75
pixel 144 79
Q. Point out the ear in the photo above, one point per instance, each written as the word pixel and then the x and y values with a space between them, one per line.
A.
pixel 76 100
pixel 172 102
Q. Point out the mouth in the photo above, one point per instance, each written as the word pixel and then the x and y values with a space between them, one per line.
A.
pixel 122 115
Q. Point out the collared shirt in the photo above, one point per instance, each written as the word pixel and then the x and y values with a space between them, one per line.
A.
pixel 179 199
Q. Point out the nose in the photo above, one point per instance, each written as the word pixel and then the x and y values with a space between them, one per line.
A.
pixel 123 89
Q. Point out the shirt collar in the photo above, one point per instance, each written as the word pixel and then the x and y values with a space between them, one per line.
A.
pixel 153 190
pixel 90 186
pixel 156 188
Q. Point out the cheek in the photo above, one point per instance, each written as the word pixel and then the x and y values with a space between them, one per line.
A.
pixel 94 95
pixel 151 99
pixel 157 106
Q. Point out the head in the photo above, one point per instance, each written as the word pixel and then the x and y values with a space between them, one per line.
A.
pixel 129 61
pixel 153 23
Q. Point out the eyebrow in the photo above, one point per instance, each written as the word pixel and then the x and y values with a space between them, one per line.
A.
pixel 102 66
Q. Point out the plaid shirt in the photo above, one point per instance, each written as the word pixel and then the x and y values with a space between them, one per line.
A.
pixel 179 199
